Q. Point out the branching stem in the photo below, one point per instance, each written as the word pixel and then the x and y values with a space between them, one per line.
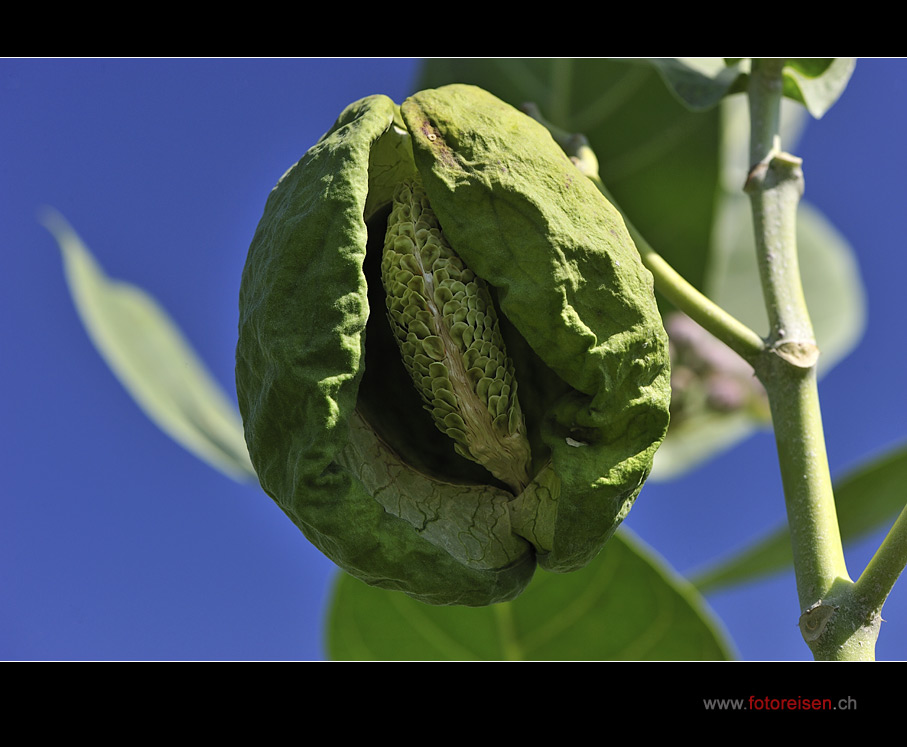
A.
pixel 832 624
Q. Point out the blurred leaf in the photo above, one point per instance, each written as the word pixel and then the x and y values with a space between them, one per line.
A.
pixel 626 605
pixel 150 357
pixel 817 82
pixel 659 159
pixel 770 555
pixel 866 498
pixel 700 82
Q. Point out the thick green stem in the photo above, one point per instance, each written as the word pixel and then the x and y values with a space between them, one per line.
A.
pixel 833 625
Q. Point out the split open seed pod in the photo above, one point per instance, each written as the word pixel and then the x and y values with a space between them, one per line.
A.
pixel 451 367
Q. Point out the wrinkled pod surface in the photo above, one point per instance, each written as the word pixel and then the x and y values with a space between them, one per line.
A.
pixel 451 368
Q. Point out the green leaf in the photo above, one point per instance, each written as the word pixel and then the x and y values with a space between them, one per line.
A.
pixel 151 358
pixel 626 605
pixel 872 494
pixel 817 82
pixel 865 499
pixel 701 82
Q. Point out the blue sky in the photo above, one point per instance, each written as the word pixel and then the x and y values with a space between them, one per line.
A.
pixel 115 543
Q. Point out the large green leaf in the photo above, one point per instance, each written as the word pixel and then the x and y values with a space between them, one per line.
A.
pixel 626 605
pixel 866 499
pixel 152 359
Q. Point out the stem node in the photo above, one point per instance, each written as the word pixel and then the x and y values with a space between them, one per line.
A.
pixel 800 354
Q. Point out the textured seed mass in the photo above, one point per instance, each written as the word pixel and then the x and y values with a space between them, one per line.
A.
pixel 447 328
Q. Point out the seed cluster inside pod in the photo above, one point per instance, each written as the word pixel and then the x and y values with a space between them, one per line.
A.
pixel 447 329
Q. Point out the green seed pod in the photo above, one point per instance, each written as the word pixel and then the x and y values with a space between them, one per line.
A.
pixel 451 367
